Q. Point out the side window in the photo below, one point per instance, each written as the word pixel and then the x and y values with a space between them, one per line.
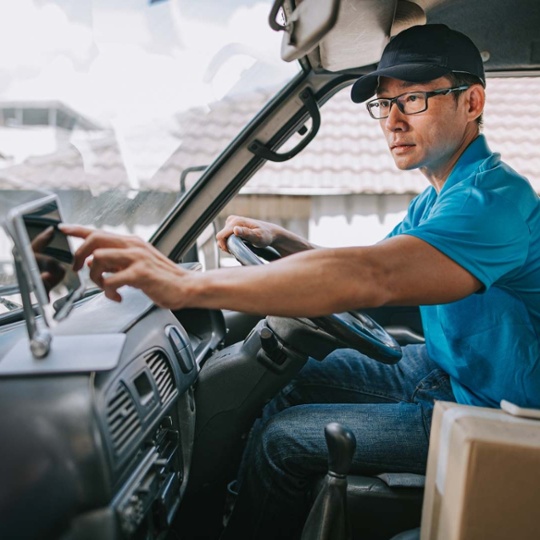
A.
pixel 342 189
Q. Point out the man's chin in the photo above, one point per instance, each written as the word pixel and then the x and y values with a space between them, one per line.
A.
pixel 405 166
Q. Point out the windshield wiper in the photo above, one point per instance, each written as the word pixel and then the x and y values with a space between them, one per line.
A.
pixel 9 304
pixel 8 290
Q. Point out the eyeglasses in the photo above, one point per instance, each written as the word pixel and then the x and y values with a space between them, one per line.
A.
pixel 408 103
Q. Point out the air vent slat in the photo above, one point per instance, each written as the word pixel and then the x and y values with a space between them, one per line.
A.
pixel 167 389
pixel 119 411
pixel 123 419
pixel 158 364
pixel 123 424
pixel 126 436
pixel 162 377
pixel 117 402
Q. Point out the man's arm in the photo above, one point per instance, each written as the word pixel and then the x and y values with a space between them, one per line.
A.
pixel 403 270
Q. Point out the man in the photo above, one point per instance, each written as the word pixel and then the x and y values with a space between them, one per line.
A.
pixel 466 253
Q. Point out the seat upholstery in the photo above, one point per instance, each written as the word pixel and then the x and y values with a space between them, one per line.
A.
pixel 379 511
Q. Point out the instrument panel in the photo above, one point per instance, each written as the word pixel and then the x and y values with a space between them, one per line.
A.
pixel 104 453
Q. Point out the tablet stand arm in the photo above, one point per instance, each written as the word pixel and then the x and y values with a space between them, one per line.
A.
pixel 40 339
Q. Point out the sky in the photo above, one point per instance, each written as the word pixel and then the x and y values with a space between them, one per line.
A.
pixel 113 59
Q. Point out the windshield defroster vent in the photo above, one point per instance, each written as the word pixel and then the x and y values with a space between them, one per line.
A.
pixel 122 419
pixel 161 370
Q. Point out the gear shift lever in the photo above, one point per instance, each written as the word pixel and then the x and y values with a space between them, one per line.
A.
pixel 328 518
pixel 341 446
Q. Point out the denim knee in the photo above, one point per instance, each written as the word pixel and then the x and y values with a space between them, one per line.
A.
pixel 282 459
pixel 275 445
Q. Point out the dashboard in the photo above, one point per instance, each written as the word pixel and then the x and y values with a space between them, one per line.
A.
pixel 103 454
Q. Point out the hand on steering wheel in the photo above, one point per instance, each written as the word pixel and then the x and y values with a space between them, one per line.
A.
pixel 354 329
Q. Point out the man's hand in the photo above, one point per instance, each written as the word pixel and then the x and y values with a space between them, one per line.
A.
pixel 258 233
pixel 116 260
pixel 262 234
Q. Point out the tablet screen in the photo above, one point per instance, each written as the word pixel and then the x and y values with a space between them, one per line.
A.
pixel 53 255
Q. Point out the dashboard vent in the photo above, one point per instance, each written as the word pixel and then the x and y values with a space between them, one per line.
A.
pixel 161 370
pixel 123 419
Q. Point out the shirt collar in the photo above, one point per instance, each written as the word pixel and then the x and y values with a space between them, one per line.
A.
pixel 468 163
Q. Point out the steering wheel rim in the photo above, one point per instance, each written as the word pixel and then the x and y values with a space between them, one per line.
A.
pixel 354 328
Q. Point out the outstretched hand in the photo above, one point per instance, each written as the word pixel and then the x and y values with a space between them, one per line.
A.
pixel 115 260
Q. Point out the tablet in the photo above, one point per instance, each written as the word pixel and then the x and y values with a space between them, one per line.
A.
pixel 45 256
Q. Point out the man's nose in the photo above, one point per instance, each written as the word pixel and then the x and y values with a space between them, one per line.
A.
pixel 396 119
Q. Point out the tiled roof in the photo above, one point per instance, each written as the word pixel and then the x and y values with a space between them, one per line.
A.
pixel 349 154
pixel 95 170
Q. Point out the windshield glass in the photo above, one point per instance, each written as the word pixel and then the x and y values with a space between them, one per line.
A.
pixel 104 101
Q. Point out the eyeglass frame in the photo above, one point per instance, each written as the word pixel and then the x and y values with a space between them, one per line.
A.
pixel 432 93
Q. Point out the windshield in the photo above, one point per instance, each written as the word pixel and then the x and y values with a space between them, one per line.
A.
pixel 106 102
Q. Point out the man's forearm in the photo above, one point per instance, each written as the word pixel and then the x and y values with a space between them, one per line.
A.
pixel 398 271
pixel 288 243
pixel 306 284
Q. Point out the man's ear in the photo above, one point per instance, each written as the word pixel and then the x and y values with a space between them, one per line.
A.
pixel 475 101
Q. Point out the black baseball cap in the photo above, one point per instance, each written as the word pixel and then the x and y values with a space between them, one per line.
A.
pixel 420 54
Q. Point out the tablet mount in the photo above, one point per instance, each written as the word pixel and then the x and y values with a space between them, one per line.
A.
pixel 53 349
pixel 39 338
pixel 56 353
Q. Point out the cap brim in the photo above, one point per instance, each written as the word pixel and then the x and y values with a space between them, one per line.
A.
pixel 366 86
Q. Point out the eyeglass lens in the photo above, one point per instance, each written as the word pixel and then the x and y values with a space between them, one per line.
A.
pixel 410 103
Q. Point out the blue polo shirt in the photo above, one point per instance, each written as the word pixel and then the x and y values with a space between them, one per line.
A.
pixel 487 219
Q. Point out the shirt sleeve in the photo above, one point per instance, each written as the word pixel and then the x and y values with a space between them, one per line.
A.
pixel 413 212
pixel 481 231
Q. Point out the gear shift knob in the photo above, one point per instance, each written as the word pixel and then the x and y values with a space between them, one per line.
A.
pixel 341 444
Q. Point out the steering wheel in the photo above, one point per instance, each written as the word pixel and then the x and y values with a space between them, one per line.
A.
pixel 355 329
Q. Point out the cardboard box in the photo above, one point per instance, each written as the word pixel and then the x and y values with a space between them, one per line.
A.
pixel 483 476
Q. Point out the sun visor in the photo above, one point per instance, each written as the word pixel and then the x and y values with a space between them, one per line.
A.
pixel 363 29
pixel 305 26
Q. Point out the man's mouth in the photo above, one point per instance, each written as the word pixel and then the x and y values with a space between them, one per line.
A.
pixel 400 147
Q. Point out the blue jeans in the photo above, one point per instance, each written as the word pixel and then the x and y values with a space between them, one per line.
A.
pixel 388 408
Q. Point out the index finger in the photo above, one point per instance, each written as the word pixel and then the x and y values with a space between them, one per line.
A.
pixel 222 236
pixel 101 239
pixel 75 230
pixel 228 230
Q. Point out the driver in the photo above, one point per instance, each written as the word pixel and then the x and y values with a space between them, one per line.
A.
pixel 466 253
